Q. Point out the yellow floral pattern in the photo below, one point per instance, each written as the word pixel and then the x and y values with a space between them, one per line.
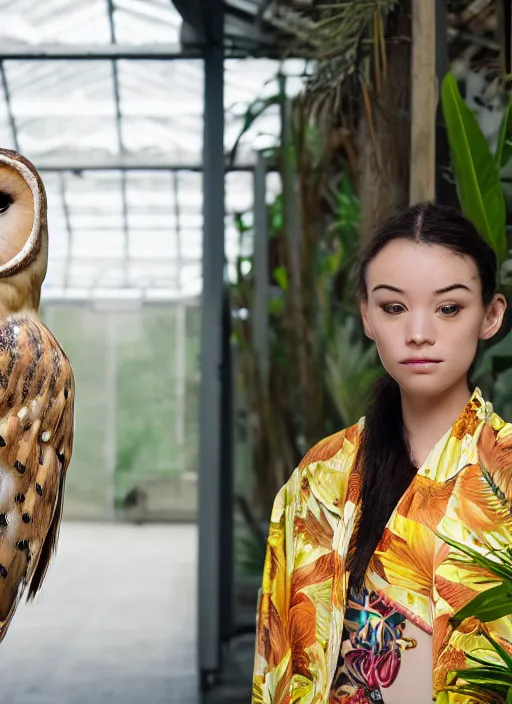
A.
pixel 463 491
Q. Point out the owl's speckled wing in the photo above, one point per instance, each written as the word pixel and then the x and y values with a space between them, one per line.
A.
pixel 36 438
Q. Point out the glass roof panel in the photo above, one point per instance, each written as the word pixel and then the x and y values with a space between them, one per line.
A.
pixel 169 118
pixel 77 22
pixel 62 108
pixel 54 21
pixel 6 136
pixel 146 22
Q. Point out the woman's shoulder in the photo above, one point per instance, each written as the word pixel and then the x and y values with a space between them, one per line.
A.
pixel 329 458
pixel 343 442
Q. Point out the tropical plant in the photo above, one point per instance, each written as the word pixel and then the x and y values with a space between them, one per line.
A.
pixel 489 680
pixel 360 87
pixel 477 173
pixel 477 170
pixel 480 192
pixel 314 328
pixel 339 35
pixel 351 369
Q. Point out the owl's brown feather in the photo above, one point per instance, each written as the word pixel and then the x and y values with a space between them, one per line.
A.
pixel 36 437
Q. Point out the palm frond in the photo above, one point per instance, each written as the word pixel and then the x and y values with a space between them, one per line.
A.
pixel 339 35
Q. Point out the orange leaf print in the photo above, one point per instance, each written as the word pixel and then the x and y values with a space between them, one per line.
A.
pixel 496 457
pixel 478 506
pixel 454 593
pixel 355 485
pixel 314 531
pixel 316 572
pixel 425 501
pixel 272 637
pixel 440 634
pixel 302 632
pixel 467 422
pixel 450 659
pixel 324 450
pixel 408 562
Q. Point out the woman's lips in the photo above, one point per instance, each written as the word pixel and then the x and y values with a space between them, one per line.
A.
pixel 421 364
pixel 421 361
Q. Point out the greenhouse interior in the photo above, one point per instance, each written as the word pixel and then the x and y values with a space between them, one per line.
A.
pixel 211 169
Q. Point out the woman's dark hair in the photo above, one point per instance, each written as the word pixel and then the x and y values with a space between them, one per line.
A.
pixel 384 453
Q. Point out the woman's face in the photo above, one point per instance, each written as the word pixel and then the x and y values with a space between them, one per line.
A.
pixel 425 313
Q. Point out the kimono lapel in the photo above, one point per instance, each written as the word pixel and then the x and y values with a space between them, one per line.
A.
pixel 458 447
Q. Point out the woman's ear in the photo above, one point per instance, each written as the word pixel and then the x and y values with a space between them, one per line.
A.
pixel 493 317
pixel 363 307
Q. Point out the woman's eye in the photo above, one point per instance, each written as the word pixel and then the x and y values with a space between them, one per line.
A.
pixel 393 308
pixel 450 310
pixel 5 201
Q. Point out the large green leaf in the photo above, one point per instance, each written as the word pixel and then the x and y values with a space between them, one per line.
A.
pixel 485 676
pixel 504 147
pixel 476 172
pixel 507 659
pixel 488 606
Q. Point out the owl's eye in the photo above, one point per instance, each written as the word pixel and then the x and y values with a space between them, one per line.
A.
pixel 5 201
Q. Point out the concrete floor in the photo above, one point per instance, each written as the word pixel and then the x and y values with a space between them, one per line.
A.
pixel 115 622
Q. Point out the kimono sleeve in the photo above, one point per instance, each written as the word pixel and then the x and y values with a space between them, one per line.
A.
pixel 272 662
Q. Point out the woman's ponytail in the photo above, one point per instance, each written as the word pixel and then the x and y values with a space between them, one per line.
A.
pixel 386 468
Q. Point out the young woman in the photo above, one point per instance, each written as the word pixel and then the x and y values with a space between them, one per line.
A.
pixel 358 586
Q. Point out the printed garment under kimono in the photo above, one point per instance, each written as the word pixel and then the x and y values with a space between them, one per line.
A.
pixel 462 491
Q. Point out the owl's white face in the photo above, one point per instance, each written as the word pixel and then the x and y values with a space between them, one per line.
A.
pixel 16 213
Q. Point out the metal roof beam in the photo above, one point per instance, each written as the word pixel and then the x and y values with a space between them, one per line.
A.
pixel 7 98
pixel 106 262
pixel 127 162
pixel 193 15
pixel 101 52
pixel 155 52
pixel 120 144
pixel 177 215
pixel 69 229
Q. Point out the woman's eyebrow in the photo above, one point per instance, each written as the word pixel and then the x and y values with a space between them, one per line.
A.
pixel 388 287
pixel 446 289
pixel 439 291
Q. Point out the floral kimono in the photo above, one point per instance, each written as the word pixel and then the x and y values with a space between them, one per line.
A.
pixel 462 491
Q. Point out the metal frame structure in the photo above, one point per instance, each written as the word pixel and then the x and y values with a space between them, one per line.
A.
pixel 210 23
pixel 246 34
pixel 213 30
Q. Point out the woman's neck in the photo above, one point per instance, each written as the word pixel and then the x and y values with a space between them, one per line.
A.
pixel 426 420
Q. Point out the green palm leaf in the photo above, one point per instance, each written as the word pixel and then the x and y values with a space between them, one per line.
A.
pixel 498 567
pixel 488 606
pixel 476 171
pixel 504 147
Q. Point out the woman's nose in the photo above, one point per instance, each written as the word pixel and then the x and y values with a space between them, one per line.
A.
pixel 420 330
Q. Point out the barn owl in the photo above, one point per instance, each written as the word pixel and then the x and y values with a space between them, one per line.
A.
pixel 36 393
